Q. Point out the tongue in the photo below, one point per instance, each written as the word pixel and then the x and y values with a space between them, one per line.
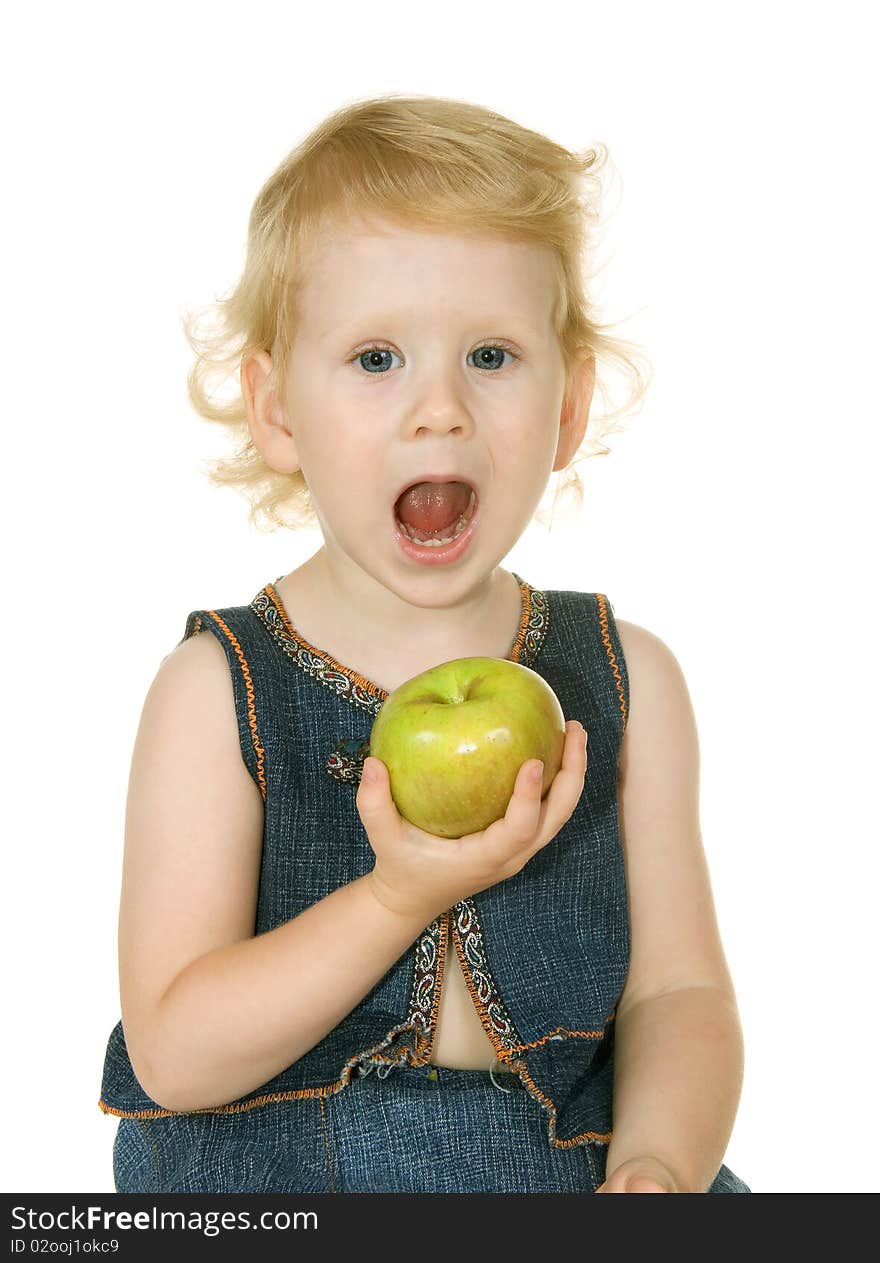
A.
pixel 433 506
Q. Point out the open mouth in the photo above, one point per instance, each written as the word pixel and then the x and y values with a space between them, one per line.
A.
pixel 435 520
pixel 443 535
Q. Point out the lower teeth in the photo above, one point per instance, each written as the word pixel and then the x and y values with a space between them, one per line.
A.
pixel 437 543
pixel 460 526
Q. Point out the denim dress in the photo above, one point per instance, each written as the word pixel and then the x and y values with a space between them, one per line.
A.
pixel 544 954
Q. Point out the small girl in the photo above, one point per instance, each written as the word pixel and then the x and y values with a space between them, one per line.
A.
pixel 316 995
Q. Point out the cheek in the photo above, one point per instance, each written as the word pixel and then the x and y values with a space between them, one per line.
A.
pixel 348 482
pixel 335 431
pixel 530 442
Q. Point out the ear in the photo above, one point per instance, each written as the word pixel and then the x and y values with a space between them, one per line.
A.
pixel 575 412
pixel 267 421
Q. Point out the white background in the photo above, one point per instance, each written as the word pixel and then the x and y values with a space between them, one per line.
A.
pixel 733 518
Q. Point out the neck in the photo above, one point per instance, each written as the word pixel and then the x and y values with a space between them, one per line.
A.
pixel 452 617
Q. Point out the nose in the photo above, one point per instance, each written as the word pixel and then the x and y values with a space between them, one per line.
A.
pixel 439 421
pixel 438 408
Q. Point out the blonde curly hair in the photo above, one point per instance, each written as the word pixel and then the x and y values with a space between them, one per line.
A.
pixel 429 163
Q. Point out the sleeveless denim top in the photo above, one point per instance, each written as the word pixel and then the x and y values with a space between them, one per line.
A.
pixel 544 953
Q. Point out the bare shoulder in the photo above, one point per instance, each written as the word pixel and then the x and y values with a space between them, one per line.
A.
pixel 640 645
pixel 193 835
pixel 675 938
pixel 191 701
pixel 202 648
pixel 632 636
pixel 656 681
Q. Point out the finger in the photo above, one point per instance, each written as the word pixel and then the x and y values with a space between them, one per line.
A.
pixel 373 773
pixel 565 790
pixel 568 783
pixel 575 749
pixel 527 814
pixel 520 820
pixel 375 805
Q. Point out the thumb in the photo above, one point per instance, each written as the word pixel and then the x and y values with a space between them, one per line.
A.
pixel 373 789
pixel 372 771
pixel 374 803
pixel 643 1184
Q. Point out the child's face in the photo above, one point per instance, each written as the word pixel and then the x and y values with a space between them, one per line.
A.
pixel 363 427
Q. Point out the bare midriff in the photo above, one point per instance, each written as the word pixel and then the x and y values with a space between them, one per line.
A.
pixel 460 1042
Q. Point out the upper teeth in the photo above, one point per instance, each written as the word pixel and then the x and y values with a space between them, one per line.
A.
pixel 436 542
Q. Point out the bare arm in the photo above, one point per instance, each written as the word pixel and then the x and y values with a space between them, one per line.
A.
pixel 678 1072
pixel 238 1016
pixel 678 1046
pixel 209 1011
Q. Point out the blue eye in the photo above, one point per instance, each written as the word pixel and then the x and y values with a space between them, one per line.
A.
pixel 482 351
pixel 372 355
pixel 372 358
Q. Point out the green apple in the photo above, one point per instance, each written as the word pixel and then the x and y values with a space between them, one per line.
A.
pixel 454 738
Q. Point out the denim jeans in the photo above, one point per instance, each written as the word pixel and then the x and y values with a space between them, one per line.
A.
pixel 393 1129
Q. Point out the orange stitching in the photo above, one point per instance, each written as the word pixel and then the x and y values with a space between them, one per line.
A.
pixel 237 1107
pixel 506 1054
pixel 282 612
pixel 561 1031
pixel 551 1108
pixel 326 1144
pixel 369 1054
pixel 241 1107
pixel 603 619
pixel 270 1098
pixel 252 716
pixel 525 597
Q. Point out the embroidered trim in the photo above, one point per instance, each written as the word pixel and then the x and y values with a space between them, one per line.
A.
pixel 470 947
pixel 497 1022
pixel 612 657
pixel 429 958
pixel 352 686
pixel 356 688
pixel 259 752
pixel 534 626
pixel 345 762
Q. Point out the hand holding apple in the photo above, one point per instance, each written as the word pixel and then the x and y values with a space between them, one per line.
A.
pixel 420 875
pixel 454 738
